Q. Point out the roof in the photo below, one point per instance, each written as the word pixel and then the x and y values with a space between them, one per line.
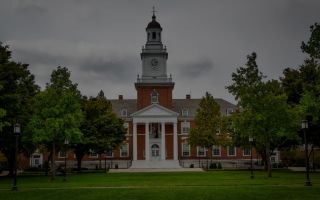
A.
pixel 178 105
pixel 154 24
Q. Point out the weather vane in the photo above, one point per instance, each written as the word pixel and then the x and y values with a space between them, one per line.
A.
pixel 153 10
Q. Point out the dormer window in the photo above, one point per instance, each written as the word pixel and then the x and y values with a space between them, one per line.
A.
pixel 185 112
pixel 154 36
pixel 124 112
pixel 229 111
pixel 154 96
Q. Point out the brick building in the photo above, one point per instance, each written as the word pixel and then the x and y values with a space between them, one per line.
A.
pixel 157 124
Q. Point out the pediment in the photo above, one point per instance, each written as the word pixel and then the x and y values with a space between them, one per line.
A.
pixel 155 110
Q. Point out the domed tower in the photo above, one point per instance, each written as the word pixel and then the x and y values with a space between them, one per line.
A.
pixel 154 85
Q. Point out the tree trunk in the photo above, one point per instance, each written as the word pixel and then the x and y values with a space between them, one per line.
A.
pixel 100 165
pixel 53 169
pixel 268 163
pixel 9 154
pixel 79 157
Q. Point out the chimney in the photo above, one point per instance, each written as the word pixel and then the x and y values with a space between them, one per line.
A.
pixel 120 97
pixel 188 96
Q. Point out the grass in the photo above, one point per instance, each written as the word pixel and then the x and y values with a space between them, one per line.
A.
pixel 183 185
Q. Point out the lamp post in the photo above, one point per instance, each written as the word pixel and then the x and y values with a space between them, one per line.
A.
pixel 304 127
pixel 251 143
pixel 66 142
pixel 16 131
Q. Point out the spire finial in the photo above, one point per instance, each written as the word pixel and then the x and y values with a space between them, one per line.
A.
pixel 153 13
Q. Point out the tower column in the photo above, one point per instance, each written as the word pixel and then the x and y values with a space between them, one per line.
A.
pixel 175 141
pixel 163 141
pixel 134 142
pixel 146 151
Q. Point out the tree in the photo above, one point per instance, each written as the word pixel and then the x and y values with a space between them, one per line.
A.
pixel 58 113
pixel 102 130
pixel 312 47
pixel 16 92
pixel 302 85
pixel 208 130
pixel 264 115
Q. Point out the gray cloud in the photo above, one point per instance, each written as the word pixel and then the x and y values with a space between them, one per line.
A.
pixel 100 41
pixel 195 69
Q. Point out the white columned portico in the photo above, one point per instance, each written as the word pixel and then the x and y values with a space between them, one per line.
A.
pixel 163 141
pixel 134 142
pixel 155 114
pixel 146 150
pixel 175 141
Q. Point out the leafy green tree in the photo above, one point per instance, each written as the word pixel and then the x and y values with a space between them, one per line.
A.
pixel 302 85
pixel 312 47
pixel 16 92
pixel 209 124
pixel 102 130
pixel 58 113
pixel 264 115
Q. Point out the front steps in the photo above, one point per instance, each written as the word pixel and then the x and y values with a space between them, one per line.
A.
pixel 155 164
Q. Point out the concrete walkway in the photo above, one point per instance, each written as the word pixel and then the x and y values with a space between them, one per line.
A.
pixel 130 170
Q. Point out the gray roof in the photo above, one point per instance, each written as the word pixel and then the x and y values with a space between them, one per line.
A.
pixel 178 105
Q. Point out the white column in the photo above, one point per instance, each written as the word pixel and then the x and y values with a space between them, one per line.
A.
pixel 175 141
pixel 147 149
pixel 134 142
pixel 163 141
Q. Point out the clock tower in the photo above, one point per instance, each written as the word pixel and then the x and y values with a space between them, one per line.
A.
pixel 154 85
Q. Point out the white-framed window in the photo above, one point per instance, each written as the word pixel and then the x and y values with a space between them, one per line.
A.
pixel 201 151
pixel 231 151
pixel 62 154
pixel 124 112
pixel 218 131
pixel 155 150
pixel 216 150
pixel 109 153
pixel 126 126
pixel 93 153
pixel 185 112
pixel 154 96
pixel 185 127
pixel 229 111
pixel 246 151
pixel 124 150
pixel 185 149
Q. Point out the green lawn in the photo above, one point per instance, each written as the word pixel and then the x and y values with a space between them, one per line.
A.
pixel 188 185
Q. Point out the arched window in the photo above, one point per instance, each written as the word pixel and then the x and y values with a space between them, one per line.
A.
pixel 154 96
pixel 124 112
pixel 155 150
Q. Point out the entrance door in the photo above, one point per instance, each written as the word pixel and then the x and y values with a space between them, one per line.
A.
pixel 155 152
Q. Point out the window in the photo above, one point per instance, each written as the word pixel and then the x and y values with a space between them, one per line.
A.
pixel 124 112
pixel 229 111
pixel 247 151
pixel 155 150
pixel 109 154
pixel 93 154
pixel 154 36
pixel 154 96
pixel 124 150
pixel 185 112
pixel 62 154
pixel 185 149
pixel 201 151
pixel 126 126
pixel 216 150
pixel 185 126
pixel 231 151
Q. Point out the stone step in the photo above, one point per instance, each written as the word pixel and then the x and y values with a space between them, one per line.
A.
pixel 155 164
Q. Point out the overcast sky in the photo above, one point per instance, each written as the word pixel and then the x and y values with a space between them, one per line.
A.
pixel 100 40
